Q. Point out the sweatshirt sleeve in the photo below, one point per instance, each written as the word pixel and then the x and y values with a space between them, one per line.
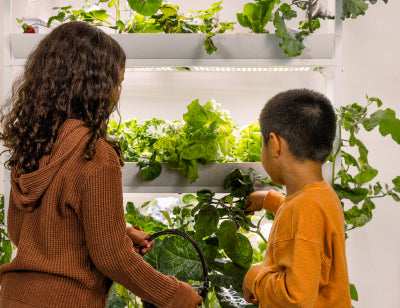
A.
pixel 293 281
pixel 110 248
pixel 272 201
pixel 14 221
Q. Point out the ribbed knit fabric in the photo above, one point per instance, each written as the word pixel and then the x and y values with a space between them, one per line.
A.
pixel 305 263
pixel 67 221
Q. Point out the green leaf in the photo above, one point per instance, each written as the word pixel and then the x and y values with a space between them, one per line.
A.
pixel 230 298
pixel 395 196
pixel 145 7
pixel 236 245
pixel 349 159
pixel 396 182
pixel 354 8
pixel 366 174
pixel 387 121
pixel 100 15
pixel 358 217
pixel 149 169
pixel 291 45
pixel 176 256
pixel 353 292
pixel 375 99
pixel 207 221
pixel 169 10
pixel 189 199
pixel 120 25
pixel 114 299
pixel 238 184
pixel 356 195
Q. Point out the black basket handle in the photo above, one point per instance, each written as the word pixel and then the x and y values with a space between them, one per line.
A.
pixel 204 289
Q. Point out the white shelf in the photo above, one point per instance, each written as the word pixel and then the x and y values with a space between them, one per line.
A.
pixel 186 49
pixel 211 176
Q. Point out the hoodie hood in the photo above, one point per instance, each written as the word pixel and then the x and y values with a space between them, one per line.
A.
pixel 27 189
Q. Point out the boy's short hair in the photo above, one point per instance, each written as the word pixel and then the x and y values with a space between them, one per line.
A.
pixel 305 119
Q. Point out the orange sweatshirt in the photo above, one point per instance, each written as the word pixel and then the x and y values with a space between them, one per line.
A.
pixel 305 263
pixel 67 220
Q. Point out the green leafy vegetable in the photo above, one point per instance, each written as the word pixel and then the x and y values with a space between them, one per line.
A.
pixel 176 256
pixel 292 44
pixel 256 15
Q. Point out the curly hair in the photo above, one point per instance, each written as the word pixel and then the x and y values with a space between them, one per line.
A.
pixel 73 73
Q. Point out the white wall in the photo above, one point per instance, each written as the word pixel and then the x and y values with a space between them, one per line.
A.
pixel 370 66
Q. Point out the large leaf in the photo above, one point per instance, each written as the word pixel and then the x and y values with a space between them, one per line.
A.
pixel 366 174
pixel 145 7
pixel 207 221
pixel 236 245
pixel 358 217
pixel 176 256
pixel 149 168
pixel 238 184
pixel 291 44
pixel 356 195
pixel 387 121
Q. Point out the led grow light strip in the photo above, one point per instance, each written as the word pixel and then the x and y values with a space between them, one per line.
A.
pixel 221 69
pixel 250 69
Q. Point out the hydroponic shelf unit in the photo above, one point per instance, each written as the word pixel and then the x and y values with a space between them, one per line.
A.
pixel 241 50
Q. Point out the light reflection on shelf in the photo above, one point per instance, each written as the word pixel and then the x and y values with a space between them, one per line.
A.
pixel 221 69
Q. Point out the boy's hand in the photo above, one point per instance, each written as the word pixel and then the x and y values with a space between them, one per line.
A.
pixel 248 296
pixel 138 239
pixel 254 201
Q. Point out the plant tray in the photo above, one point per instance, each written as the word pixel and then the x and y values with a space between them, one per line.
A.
pixel 211 176
pixel 190 46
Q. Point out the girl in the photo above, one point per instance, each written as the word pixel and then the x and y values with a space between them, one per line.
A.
pixel 66 213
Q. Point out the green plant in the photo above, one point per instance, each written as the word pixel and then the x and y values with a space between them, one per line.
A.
pixel 355 180
pixel 204 136
pixel 5 243
pixel 92 14
pixel 220 227
pixel 150 16
pixel 257 14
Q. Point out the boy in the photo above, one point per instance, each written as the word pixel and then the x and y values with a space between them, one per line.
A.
pixel 305 263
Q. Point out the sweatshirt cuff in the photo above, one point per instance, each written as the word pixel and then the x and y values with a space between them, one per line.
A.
pixel 251 277
pixel 273 200
pixel 182 295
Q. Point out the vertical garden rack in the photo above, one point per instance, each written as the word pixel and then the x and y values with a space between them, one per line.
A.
pixel 162 50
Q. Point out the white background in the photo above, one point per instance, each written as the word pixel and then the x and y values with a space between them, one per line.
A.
pixel 370 66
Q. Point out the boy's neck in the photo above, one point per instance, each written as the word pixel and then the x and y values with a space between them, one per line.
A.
pixel 301 173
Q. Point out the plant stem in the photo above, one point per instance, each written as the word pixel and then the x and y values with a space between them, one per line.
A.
pixel 335 155
pixel 118 10
pixel 262 236
pixel 309 13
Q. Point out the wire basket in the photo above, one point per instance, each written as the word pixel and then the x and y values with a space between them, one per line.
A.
pixel 202 289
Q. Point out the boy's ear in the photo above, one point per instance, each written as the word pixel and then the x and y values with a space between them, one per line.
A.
pixel 276 144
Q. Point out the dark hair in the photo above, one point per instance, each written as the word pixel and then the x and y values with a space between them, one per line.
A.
pixel 73 73
pixel 305 119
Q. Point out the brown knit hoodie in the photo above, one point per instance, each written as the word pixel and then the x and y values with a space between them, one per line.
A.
pixel 67 221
